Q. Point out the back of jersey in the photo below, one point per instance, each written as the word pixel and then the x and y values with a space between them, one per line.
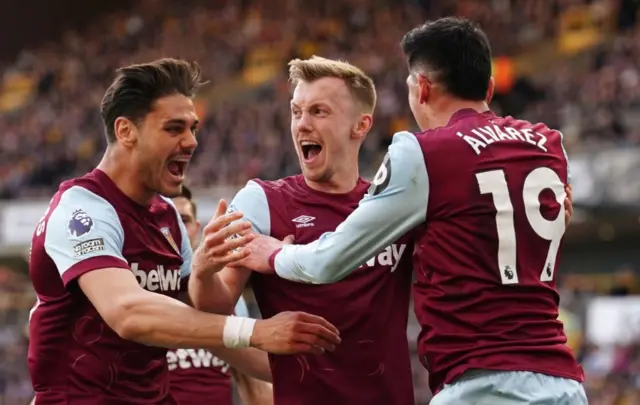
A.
pixel 485 291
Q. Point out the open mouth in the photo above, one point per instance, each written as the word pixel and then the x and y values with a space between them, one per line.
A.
pixel 310 149
pixel 177 167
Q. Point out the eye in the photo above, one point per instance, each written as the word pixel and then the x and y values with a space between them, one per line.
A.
pixel 296 113
pixel 320 112
pixel 174 130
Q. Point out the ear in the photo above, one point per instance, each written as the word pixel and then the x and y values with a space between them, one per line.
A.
pixel 363 126
pixel 491 90
pixel 125 131
pixel 424 88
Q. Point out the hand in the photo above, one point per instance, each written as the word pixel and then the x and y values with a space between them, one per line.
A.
pixel 295 332
pixel 222 242
pixel 261 248
pixel 568 204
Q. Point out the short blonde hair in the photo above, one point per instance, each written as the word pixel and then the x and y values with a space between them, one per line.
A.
pixel 359 84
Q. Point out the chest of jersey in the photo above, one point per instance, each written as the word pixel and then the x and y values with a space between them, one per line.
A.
pixel 307 218
pixel 152 249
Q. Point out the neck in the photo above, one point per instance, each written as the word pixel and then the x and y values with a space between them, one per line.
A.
pixel 343 180
pixel 124 175
pixel 445 109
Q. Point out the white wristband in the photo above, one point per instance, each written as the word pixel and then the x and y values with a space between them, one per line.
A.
pixel 237 332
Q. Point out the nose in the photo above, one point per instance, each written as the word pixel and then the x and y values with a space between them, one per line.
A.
pixel 304 123
pixel 189 141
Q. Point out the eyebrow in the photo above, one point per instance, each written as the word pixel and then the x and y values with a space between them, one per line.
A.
pixel 313 104
pixel 180 121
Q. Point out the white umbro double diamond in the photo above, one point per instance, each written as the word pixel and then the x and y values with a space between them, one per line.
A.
pixel 303 221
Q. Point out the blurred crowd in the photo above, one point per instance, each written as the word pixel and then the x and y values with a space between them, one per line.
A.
pixel 51 127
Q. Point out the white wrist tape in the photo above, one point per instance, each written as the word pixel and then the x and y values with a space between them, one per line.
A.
pixel 237 332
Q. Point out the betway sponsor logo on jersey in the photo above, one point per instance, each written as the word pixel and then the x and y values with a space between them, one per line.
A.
pixel 191 358
pixel 389 257
pixel 481 137
pixel 157 279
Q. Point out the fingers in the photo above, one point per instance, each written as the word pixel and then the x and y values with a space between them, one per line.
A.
pixel 221 221
pixel 234 256
pixel 240 228
pixel 289 240
pixel 222 208
pixel 313 319
pixel 302 347
pixel 317 336
pixel 232 244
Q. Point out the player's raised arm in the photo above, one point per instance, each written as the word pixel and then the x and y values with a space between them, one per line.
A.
pixel 222 242
pixel 83 236
pixel 218 291
pixel 396 202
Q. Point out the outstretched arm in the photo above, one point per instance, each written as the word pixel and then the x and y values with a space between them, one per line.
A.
pixel 252 362
pixel 227 285
pixel 84 238
pixel 396 203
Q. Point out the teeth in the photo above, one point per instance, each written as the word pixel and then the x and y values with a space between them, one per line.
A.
pixel 309 143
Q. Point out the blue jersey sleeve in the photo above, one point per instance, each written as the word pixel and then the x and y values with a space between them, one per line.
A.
pixel 241 308
pixel 252 202
pixel 83 232
pixel 396 203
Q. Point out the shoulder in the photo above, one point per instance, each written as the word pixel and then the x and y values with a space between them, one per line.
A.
pixel 253 191
pixel 252 201
pixel 282 185
pixel 78 195
pixel 406 147
pixel 78 210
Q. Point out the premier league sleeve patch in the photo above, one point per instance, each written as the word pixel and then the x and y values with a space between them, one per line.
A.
pixel 80 224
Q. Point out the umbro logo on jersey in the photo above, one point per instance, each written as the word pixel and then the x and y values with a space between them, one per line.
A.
pixel 303 221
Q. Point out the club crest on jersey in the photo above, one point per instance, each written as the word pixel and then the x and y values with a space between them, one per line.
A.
pixel 80 224
pixel 167 234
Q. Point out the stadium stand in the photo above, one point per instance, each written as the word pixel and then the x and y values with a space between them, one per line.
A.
pixel 574 64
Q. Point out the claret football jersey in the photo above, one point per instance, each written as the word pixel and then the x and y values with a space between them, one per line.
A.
pixel 370 308
pixel 74 356
pixel 488 193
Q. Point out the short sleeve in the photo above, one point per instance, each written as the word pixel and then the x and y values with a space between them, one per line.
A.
pixel 241 308
pixel 252 202
pixel 83 233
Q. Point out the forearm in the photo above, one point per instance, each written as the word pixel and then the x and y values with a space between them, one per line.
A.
pixel 252 391
pixel 157 320
pixel 396 203
pixel 249 361
pixel 208 293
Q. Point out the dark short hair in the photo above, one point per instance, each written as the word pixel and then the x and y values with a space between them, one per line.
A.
pixel 455 51
pixel 186 193
pixel 136 88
